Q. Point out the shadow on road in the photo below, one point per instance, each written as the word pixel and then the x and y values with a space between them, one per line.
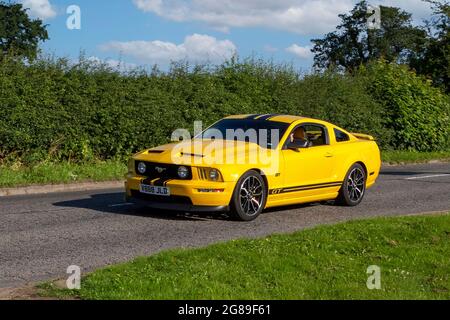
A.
pixel 299 206
pixel 113 203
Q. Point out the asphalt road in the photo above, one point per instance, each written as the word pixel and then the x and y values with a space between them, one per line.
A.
pixel 40 236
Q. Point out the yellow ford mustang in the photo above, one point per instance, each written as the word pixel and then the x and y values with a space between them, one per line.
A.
pixel 247 163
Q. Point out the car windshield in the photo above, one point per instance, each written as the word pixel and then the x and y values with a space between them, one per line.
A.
pixel 266 134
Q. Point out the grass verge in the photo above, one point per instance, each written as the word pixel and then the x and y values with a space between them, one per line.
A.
pixel 327 262
pixel 396 157
pixel 64 172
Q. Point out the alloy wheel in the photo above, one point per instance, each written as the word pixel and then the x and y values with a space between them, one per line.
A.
pixel 251 195
pixel 355 184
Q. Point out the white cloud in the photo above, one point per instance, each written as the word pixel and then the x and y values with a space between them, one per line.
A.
pixel 303 17
pixel 300 52
pixel 306 17
pixel 39 8
pixel 195 48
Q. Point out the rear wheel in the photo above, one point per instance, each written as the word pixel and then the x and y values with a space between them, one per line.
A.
pixel 249 197
pixel 354 187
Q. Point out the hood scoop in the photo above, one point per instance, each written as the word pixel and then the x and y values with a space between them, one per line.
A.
pixel 155 151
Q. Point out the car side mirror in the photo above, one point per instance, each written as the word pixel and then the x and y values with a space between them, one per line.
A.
pixel 298 144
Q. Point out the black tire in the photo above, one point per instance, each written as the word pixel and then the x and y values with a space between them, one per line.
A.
pixel 354 187
pixel 248 205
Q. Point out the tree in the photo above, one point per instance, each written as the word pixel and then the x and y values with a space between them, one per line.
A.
pixel 434 63
pixel 19 35
pixel 353 44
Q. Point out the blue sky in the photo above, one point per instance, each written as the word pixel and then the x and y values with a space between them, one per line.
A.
pixel 145 32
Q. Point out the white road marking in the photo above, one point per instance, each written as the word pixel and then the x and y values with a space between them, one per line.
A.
pixel 120 205
pixel 431 176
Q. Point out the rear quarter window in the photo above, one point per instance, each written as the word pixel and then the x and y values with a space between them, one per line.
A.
pixel 341 136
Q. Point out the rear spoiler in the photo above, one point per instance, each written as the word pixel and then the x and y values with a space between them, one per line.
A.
pixel 362 136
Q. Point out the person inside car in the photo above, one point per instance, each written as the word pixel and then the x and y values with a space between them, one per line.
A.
pixel 299 137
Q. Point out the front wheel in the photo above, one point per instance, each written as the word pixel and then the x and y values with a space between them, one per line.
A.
pixel 354 187
pixel 249 197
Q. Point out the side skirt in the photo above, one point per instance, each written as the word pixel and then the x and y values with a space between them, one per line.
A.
pixel 305 188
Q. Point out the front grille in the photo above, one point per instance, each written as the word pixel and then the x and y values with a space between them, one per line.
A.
pixel 165 172
pixel 203 173
pixel 161 199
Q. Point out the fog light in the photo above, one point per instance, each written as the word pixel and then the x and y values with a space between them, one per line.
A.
pixel 142 168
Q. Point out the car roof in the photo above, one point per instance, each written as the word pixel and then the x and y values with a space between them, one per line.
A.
pixel 271 117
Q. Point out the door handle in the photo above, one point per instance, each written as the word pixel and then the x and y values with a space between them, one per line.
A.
pixel 329 155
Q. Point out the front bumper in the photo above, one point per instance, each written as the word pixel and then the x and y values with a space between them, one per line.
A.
pixel 185 195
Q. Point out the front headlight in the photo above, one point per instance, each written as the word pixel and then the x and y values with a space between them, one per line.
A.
pixel 183 172
pixel 214 175
pixel 142 168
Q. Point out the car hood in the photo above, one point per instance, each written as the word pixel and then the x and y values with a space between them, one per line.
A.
pixel 205 153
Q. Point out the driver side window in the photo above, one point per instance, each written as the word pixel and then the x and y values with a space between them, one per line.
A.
pixel 310 135
pixel 316 135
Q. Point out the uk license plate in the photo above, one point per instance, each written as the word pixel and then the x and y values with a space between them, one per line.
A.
pixel 154 190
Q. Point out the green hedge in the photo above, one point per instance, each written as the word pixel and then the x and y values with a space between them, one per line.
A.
pixel 54 110
pixel 417 113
